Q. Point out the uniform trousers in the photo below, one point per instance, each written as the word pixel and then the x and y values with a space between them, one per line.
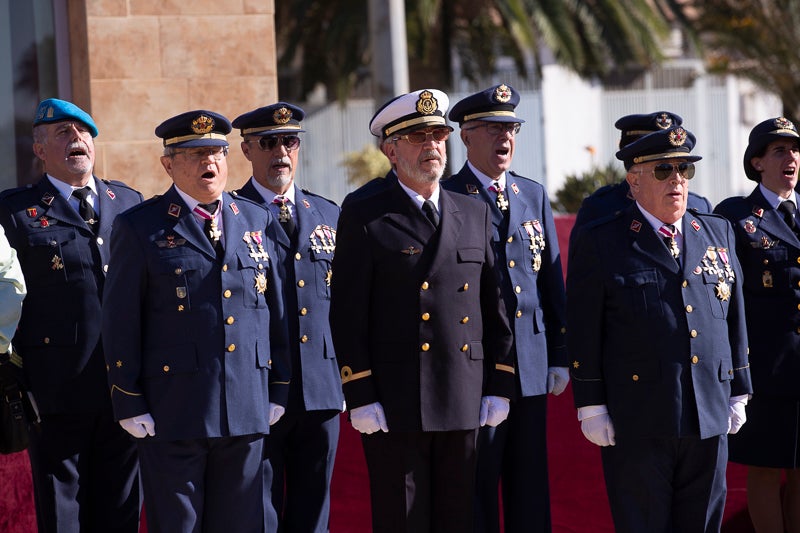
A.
pixel 516 453
pixel 665 485
pixel 421 481
pixel 207 485
pixel 85 475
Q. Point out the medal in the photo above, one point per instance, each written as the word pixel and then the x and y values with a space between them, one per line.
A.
pixel 260 283
pixel 56 263
pixel 766 279
pixel 722 290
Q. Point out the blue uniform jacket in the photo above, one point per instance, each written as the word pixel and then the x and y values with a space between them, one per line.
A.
pixel 64 264
pixel 533 289
pixel 200 344
pixel 308 269
pixel 664 347
pixel 770 255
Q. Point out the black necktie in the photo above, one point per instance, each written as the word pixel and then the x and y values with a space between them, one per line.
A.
pixel 85 208
pixel 788 209
pixel 285 216
pixel 431 212
pixel 208 213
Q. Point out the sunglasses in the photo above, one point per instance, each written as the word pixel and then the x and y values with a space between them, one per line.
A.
pixel 268 143
pixel 420 137
pixel 663 171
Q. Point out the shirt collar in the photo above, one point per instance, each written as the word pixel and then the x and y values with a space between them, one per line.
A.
pixel 773 199
pixel 191 202
pixel 485 180
pixel 419 199
pixel 66 189
pixel 269 195
pixel 656 223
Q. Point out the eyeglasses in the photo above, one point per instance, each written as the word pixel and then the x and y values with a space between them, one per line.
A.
pixel 420 136
pixel 217 153
pixel 269 142
pixel 496 128
pixel 663 171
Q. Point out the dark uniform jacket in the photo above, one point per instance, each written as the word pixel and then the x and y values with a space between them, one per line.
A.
pixel 664 347
pixel 200 344
pixel 531 280
pixel 64 264
pixel 307 265
pixel 415 311
pixel 770 255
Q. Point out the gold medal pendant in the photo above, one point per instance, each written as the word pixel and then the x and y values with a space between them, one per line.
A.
pixel 260 283
pixel 722 290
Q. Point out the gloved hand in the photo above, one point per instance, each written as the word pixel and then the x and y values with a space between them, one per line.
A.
pixel 736 413
pixel 557 379
pixel 369 418
pixel 596 425
pixel 494 410
pixel 275 412
pixel 139 426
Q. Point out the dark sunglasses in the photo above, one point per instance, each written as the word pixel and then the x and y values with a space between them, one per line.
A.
pixel 268 143
pixel 419 137
pixel 663 171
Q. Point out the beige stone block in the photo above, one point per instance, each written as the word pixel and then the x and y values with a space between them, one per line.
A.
pixel 186 7
pixel 137 165
pixel 263 7
pixel 124 47
pixel 107 8
pixel 232 97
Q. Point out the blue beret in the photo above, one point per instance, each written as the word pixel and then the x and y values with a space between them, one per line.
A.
pixel 763 134
pixel 195 128
pixel 419 109
pixel 270 120
pixel 495 104
pixel 673 143
pixel 54 110
pixel 635 126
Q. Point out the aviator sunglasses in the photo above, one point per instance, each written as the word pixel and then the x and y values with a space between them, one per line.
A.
pixel 663 171
pixel 268 143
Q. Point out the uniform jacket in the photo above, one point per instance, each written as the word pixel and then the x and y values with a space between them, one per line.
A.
pixel 307 265
pixel 663 346
pixel 198 343
pixel 64 264
pixel 415 311
pixel 770 255
pixel 531 279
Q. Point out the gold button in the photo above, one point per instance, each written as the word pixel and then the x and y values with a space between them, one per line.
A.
pixel 466 286
pixel 798 307
pixel 766 261
pixel 425 285
pixel 301 283
pixel 465 348
pixel 304 339
pixel 227 293
pixel 224 268
pixel 260 266
pixel 695 359
pixel 510 238
pixel 798 259
pixel 229 320
pixel 685 284
pixel 269 362
pixel 181 308
pixel 518 289
pixel 730 372
pixel 100 241
pixel 798 330
pixel 519 313
pixel 426 316
pixel 47 340
pixel 511 264
pixel 465 320
pixel 563 331
pixel 178 271
pixel 425 346
pixel 798 283
pixel 297 256
pixel 689 309
pixel 635 377
pixel 693 333
pixel 303 311
pixel 231 347
pixel 166 368
pixel 105 269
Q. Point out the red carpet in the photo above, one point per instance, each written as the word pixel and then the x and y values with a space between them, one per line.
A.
pixel 579 503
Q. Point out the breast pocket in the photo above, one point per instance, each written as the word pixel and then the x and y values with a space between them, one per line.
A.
pixel 321 263
pixel 640 291
pixel 177 278
pixel 719 292
pixel 53 257
pixel 255 280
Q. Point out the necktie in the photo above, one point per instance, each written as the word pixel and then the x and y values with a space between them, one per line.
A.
pixel 85 208
pixel 668 232
pixel 788 209
pixel 502 203
pixel 285 216
pixel 431 212
pixel 208 213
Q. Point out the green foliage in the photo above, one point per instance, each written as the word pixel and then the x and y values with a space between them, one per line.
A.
pixel 365 164
pixel 576 188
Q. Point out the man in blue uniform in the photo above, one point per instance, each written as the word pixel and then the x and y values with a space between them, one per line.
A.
pixel 609 199
pixel 85 468
pixel 419 326
pixel 768 246
pixel 302 446
pixel 528 261
pixel 197 344
pixel 657 340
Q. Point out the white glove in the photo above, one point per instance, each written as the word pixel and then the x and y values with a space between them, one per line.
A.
pixel 275 412
pixel 557 379
pixel 139 426
pixel 369 418
pixel 596 425
pixel 494 410
pixel 736 413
